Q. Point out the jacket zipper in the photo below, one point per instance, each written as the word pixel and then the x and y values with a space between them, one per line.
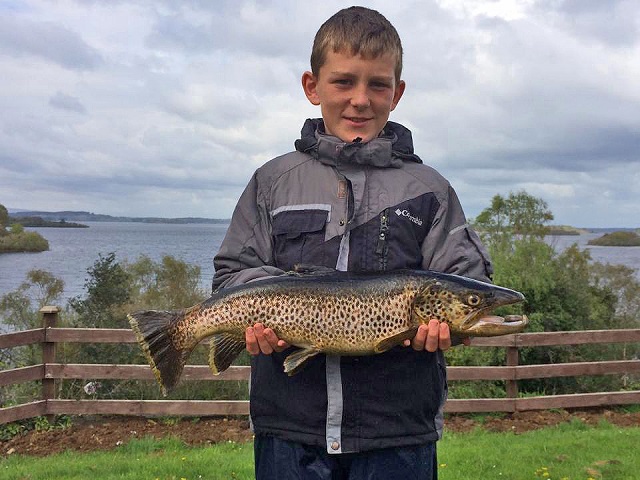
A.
pixel 382 247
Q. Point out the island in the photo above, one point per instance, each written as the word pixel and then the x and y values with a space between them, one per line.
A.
pixel 564 230
pixel 41 222
pixel 15 239
pixel 617 239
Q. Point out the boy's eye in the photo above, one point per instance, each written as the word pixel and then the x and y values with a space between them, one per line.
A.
pixel 379 85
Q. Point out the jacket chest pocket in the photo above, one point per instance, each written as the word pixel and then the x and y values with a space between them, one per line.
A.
pixel 299 237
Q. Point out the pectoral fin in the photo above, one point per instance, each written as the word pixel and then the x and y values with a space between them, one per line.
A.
pixel 295 361
pixel 390 342
pixel 224 349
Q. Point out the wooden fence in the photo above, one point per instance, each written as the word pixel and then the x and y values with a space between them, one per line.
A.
pixel 49 371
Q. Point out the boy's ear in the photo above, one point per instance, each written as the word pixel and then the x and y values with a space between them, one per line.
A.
pixel 310 86
pixel 397 94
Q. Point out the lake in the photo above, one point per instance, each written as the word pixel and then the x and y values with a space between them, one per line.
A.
pixel 627 256
pixel 73 251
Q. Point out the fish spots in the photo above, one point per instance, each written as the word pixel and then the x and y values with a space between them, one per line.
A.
pixel 332 316
pixel 340 313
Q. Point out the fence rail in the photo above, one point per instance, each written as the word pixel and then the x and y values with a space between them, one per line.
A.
pixel 50 371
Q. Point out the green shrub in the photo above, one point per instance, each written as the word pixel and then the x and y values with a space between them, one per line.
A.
pixel 23 242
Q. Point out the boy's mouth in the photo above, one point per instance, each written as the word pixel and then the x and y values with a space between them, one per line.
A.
pixel 358 120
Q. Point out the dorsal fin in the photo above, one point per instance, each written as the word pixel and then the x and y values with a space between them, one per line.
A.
pixel 304 269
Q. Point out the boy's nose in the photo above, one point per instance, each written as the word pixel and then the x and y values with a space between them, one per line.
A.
pixel 360 99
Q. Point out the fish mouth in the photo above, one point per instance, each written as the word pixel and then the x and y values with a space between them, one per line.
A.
pixel 484 325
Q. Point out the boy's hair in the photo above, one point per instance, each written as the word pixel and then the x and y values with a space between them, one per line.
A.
pixel 358 31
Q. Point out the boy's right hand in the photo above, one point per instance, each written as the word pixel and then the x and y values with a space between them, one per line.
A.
pixel 263 340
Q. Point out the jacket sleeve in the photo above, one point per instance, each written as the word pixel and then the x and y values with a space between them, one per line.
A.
pixel 452 246
pixel 246 253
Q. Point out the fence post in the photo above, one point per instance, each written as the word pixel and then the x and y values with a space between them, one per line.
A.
pixel 49 320
pixel 512 361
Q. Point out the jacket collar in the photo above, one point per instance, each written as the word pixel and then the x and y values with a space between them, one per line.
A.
pixel 393 147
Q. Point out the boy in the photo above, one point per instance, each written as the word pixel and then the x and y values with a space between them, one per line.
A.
pixel 353 196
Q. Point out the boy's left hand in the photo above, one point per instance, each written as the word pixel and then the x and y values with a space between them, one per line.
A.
pixel 432 336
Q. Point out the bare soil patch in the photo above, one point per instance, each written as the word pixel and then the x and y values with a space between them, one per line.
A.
pixel 88 434
pixel 532 420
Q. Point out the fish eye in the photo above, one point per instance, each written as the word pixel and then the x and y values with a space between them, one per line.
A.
pixel 473 300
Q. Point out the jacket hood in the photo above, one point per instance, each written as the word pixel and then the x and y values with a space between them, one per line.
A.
pixel 393 147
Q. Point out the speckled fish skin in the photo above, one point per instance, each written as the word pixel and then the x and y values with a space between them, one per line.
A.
pixel 339 313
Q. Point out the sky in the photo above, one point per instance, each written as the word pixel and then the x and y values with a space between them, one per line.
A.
pixel 165 108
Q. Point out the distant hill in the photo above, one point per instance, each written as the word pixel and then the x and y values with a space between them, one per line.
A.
pixel 73 216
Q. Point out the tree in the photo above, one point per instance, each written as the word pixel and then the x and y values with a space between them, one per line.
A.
pixel 167 285
pixel 563 291
pixel 624 285
pixel 4 218
pixel 18 312
pixel 17 229
pixel 108 288
pixel 115 289
pixel 519 214
pixel 17 307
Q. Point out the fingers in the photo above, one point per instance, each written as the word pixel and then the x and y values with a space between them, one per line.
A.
pixel 252 342
pixel 421 336
pixel 444 339
pixel 263 339
pixel 260 339
pixel 273 341
pixel 431 337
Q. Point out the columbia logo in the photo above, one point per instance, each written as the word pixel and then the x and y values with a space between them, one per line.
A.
pixel 407 213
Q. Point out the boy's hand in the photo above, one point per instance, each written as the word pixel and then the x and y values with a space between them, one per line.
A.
pixel 263 340
pixel 429 337
pixel 433 336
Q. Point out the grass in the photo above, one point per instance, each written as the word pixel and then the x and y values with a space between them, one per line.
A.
pixel 144 459
pixel 572 451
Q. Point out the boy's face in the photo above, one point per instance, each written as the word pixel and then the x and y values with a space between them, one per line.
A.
pixel 355 94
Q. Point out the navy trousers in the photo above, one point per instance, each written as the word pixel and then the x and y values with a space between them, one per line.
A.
pixel 278 459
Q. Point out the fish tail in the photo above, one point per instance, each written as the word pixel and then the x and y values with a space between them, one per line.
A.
pixel 154 333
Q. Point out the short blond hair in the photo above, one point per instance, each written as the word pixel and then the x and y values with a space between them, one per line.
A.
pixel 358 31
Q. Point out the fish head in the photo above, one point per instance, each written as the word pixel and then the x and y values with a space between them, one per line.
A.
pixel 467 306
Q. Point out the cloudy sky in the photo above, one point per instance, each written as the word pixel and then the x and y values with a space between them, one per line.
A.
pixel 165 108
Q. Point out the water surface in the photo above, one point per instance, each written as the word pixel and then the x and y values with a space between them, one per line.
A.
pixel 74 250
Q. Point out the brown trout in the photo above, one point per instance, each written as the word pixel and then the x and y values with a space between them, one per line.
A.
pixel 339 313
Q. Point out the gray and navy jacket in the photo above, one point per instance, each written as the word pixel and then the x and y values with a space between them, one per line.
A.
pixel 351 206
